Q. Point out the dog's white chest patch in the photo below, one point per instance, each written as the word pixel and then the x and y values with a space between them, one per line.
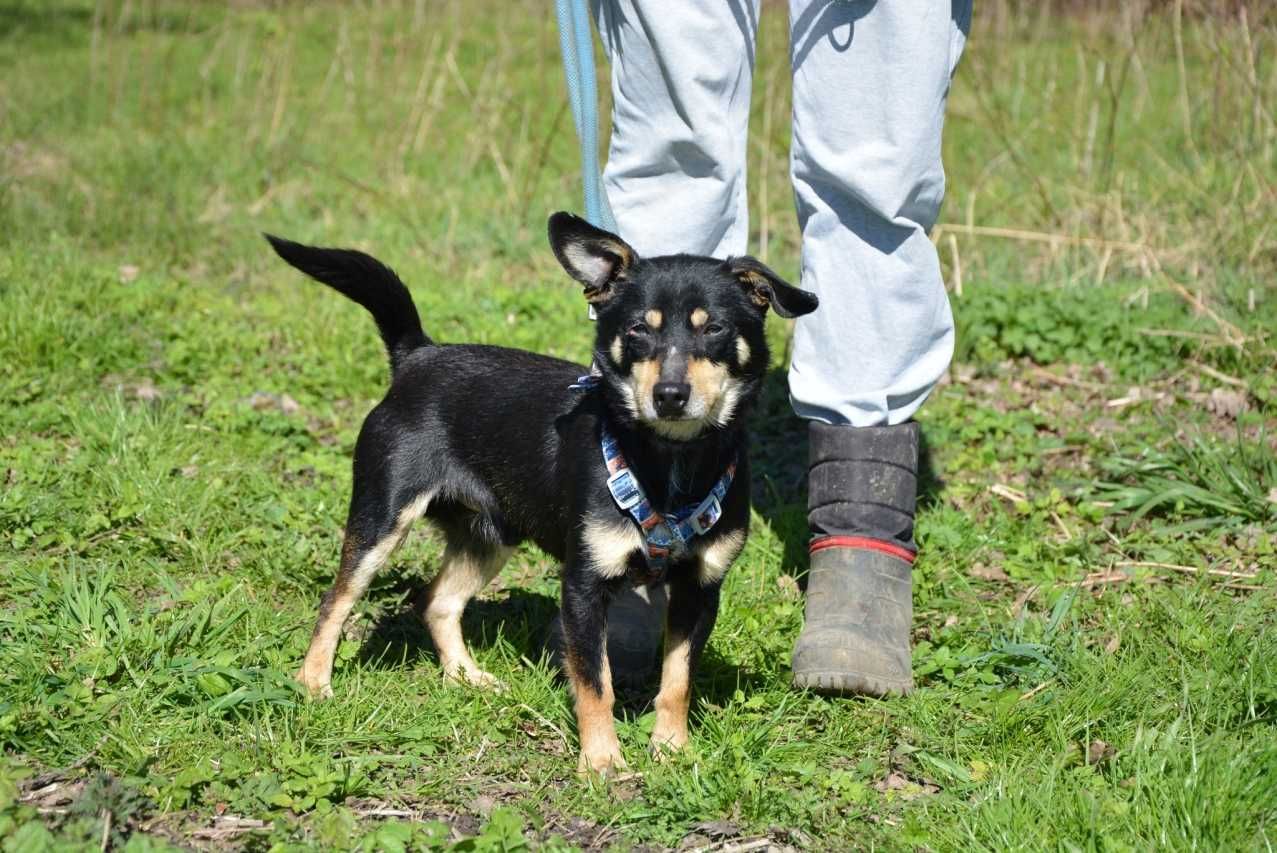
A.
pixel 718 556
pixel 609 544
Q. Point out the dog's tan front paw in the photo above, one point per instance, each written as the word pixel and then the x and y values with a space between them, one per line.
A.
pixel 604 761
pixel 665 742
pixel 475 677
pixel 316 687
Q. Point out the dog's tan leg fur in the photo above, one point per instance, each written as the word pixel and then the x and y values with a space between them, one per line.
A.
pixel 674 698
pixel 353 577
pixel 461 577
pixel 600 749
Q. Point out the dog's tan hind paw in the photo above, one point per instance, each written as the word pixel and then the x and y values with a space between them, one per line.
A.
pixel 472 676
pixel 315 688
pixel 604 762
pixel 665 744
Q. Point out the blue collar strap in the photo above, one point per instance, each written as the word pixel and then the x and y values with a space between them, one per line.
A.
pixel 670 535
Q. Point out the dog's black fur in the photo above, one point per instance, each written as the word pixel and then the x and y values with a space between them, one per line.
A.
pixel 494 447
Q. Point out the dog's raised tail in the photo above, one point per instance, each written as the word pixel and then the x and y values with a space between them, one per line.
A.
pixel 366 280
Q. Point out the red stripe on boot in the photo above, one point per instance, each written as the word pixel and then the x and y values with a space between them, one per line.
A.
pixel 863 542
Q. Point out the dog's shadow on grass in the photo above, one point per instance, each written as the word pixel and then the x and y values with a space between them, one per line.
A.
pixel 396 639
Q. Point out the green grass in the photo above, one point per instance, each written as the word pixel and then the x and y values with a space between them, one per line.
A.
pixel 1095 632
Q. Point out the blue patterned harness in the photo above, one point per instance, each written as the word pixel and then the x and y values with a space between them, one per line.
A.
pixel 666 536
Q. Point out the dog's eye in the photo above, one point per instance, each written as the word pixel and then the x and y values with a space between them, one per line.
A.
pixel 637 330
pixel 715 329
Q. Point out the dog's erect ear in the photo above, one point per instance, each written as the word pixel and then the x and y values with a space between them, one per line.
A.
pixel 764 288
pixel 592 256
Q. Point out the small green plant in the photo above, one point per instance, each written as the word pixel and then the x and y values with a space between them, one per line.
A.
pixel 1073 325
pixel 1199 480
pixel 1021 656
pixel 108 809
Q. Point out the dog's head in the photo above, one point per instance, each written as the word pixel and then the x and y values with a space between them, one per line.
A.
pixel 680 338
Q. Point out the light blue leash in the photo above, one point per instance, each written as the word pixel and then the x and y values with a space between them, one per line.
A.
pixel 576 42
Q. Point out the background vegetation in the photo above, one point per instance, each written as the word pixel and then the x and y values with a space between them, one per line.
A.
pixel 1095 642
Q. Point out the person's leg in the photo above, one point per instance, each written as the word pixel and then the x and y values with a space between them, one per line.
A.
pixel 870 84
pixel 675 180
pixel 681 76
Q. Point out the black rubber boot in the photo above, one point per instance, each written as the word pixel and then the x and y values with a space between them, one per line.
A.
pixel 862 491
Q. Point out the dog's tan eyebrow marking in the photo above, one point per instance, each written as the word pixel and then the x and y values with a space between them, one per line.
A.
pixel 615 351
pixel 742 350
pixel 699 317
pixel 654 318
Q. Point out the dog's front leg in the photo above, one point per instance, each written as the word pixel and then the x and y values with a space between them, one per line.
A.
pixel 584 604
pixel 692 612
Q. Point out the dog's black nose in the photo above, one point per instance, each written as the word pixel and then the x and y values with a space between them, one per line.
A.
pixel 670 397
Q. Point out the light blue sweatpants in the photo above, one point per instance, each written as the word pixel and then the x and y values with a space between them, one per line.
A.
pixel 870 82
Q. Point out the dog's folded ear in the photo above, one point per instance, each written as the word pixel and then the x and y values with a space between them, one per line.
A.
pixel 596 258
pixel 764 288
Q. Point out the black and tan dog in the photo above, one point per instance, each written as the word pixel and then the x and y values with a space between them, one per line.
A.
pixel 497 446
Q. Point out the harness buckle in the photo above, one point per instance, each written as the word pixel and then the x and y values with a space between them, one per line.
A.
pixel 625 489
pixel 706 515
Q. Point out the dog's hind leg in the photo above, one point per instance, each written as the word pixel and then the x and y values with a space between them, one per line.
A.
pixel 467 568
pixel 368 545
